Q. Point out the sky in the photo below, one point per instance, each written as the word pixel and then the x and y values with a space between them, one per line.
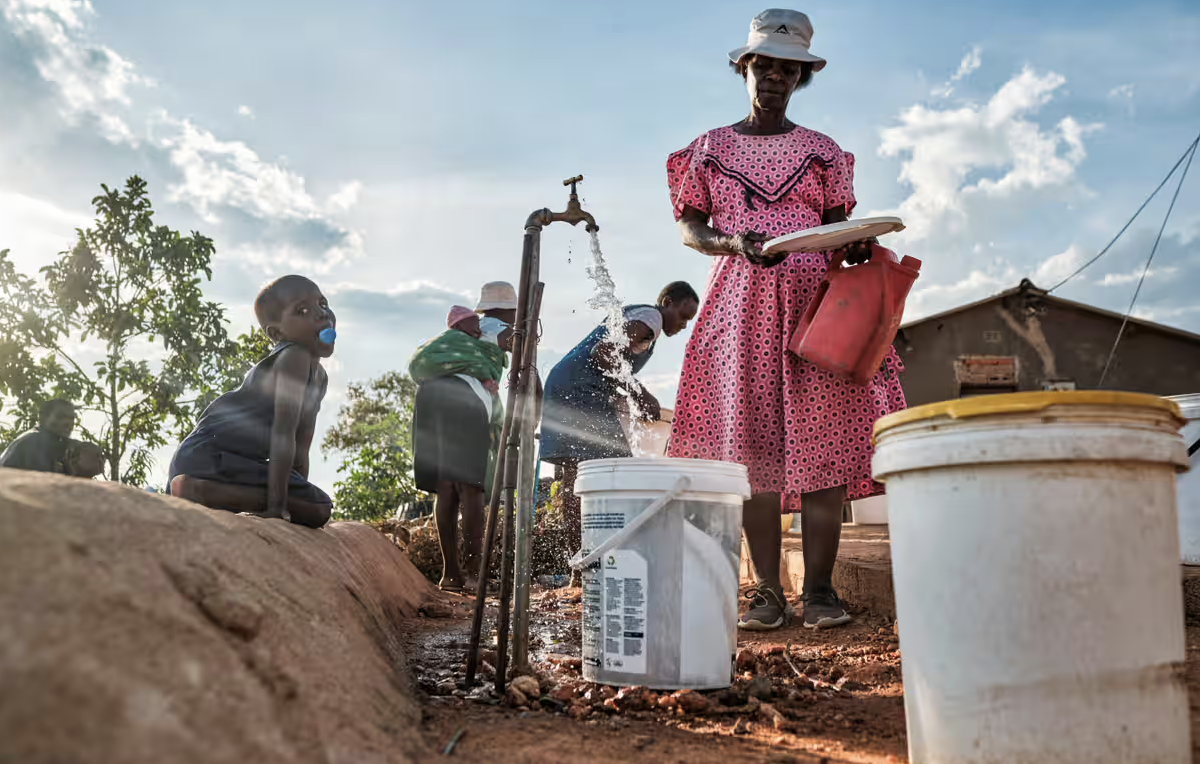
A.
pixel 392 150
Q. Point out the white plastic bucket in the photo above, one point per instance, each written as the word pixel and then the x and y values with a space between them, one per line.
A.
pixel 869 511
pixel 1188 484
pixel 661 545
pixel 1035 564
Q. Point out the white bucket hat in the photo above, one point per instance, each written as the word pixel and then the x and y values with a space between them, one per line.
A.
pixel 780 33
pixel 497 295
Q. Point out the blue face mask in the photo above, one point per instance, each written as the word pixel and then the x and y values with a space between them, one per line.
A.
pixel 327 335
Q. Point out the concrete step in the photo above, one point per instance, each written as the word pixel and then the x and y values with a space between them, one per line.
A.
pixel 863 572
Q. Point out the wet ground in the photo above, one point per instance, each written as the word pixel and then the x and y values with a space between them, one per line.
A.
pixel 838 699
pixel 842 701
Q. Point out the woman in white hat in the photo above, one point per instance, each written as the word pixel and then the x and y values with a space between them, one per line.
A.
pixel 803 433
pixel 498 308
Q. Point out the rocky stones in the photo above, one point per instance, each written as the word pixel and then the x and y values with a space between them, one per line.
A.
pixel 527 686
pixel 760 687
pixel 691 702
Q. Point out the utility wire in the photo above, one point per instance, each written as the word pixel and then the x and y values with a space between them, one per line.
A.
pixel 1113 353
pixel 1186 154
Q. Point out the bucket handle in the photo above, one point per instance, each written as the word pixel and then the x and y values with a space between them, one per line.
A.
pixel 579 562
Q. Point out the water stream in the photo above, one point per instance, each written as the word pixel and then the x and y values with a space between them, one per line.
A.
pixel 607 301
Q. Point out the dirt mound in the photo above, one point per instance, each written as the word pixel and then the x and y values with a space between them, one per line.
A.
pixel 140 628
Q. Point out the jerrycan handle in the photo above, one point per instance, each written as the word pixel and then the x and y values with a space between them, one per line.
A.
pixel 579 561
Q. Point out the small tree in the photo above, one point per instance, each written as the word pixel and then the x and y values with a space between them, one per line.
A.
pixel 374 432
pixel 128 292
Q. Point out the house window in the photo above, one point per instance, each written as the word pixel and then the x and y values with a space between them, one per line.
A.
pixel 985 375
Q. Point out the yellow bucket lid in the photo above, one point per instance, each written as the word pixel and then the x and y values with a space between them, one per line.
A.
pixel 1018 403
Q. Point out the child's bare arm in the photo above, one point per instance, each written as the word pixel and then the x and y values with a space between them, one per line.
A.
pixel 291 377
pixel 308 424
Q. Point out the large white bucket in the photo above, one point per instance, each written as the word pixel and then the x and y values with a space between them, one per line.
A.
pixel 1035 563
pixel 1189 484
pixel 661 545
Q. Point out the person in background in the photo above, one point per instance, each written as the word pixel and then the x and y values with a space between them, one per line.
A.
pixel 45 449
pixel 581 417
pixel 84 460
pixel 457 416
pixel 803 433
pixel 498 312
pixel 250 449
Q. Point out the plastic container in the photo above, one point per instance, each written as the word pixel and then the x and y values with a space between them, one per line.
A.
pixel 1034 559
pixel 1189 484
pixel 661 545
pixel 855 313
pixel 870 511
pixel 648 439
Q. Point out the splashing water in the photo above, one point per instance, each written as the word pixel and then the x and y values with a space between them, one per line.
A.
pixel 607 301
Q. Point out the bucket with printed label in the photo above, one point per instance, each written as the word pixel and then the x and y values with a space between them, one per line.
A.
pixel 1188 483
pixel 659 563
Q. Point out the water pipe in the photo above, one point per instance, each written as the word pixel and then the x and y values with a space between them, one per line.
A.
pixel 522 391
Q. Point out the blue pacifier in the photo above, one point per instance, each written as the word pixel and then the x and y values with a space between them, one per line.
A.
pixel 327 335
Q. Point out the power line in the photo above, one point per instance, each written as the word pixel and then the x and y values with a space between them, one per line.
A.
pixel 1113 353
pixel 1186 154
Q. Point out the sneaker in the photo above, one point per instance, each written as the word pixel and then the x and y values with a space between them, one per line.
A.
pixel 768 609
pixel 823 610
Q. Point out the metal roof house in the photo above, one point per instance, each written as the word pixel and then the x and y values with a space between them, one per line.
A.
pixel 1027 339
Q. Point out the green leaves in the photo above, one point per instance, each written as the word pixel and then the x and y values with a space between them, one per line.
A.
pixel 374 431
pixel 128 291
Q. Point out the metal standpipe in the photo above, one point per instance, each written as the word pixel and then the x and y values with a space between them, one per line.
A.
pixel 526 490
pixel 526 521
pixel 516 463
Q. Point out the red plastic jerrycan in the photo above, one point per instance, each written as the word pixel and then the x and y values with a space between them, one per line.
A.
pixel 855 314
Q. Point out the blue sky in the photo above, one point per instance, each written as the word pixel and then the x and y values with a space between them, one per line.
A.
pixel 393 150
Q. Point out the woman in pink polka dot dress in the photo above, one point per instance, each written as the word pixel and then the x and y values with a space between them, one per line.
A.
pixel 802 432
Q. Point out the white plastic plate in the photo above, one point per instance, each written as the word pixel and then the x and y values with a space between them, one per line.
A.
pixel 833 235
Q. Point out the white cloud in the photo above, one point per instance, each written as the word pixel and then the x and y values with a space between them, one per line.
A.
pixel 35 230
pixel 246 111
pixel 220 173
pixel 1055 269
pixel 345 197
pixel 944 149
pixel 90 78
pixel 975 286
pixel 264 206
pixel 1122 91
pixel 970 62
pixel 1123 94
pixel 1119 279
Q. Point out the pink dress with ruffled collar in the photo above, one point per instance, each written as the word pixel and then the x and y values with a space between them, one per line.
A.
pixel 742 396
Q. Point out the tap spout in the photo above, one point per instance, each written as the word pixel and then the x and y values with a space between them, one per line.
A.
pixel 573 214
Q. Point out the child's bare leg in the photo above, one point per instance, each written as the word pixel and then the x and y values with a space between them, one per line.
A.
pixel 472 526
pixel 445 513
pixel 244 498
pixel 311 514
pixel 227 496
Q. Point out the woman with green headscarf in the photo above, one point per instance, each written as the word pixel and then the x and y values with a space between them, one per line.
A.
pixel 456 425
